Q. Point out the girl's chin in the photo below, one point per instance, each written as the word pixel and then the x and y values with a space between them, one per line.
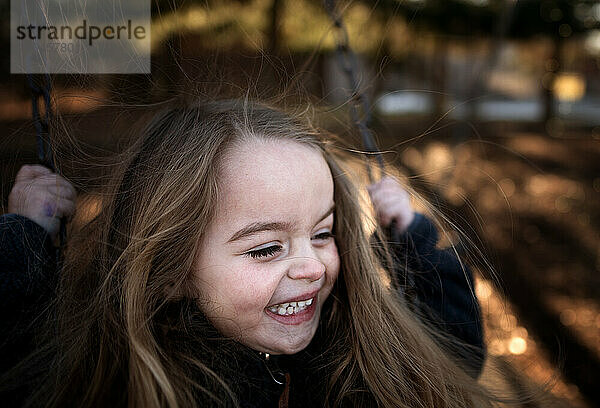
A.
pixel 288 350
pixel 295 345
pixel 298 348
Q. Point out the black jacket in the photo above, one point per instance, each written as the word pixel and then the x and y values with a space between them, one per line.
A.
pixel 442 288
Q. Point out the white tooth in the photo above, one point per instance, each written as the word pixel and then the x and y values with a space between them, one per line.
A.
pixel 293 304
pixel 301 303
pixel 290 310
pixel 296 310
pixel 284 305
pixel 273 309
pixel 281 311
pixel 309 302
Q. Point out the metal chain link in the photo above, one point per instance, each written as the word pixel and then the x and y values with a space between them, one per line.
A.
pixel 360 113
pixel 360 109
pixel 40 92
pixel 41 88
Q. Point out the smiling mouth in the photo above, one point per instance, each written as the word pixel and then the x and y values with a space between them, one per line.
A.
pixel 291 308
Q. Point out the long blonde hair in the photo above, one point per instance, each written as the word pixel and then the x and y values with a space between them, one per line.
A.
pixel 122 333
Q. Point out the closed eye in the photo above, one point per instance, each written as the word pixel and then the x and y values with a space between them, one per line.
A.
pixel 273 249
pixel 264 252
pixel 323 236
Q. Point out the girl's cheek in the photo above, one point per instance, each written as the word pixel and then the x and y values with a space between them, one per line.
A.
pixel 332 262
pixel 257 283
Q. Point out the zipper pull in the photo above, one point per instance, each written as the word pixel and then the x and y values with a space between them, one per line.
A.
pixel 276 374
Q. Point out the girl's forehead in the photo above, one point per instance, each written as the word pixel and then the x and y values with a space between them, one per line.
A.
pixel 274 180
pixel 265 159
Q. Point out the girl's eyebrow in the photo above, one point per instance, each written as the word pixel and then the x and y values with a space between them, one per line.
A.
pixel 255 227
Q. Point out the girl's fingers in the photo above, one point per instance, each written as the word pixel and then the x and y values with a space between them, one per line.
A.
pixel 64 191
pixel 383 198
pixel 384 220
pixel 386 186
pixel 377 193
pixel 31 171
pixel 391 202
pixel 54 184
pixel 387 208
pixel 386 182
pixel 53 179
pixel 385 217
pixel 64 208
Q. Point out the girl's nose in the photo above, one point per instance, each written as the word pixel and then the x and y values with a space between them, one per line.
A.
pixel 304 267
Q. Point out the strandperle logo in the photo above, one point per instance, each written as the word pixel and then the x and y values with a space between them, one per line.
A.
pixel 80 36
pixel 82 32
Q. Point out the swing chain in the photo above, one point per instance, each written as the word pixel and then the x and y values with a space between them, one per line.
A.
pixel 360 109
pixel 360 113
pixel 41 92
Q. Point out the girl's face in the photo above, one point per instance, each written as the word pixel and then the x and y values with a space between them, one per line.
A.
pixel 268 260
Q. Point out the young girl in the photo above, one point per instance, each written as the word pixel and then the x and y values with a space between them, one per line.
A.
pixel 230 266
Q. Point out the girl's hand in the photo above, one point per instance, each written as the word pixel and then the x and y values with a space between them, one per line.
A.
pixel 43 197
pixel 391 202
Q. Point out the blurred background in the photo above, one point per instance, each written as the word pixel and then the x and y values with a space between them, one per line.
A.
pixel 490 107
